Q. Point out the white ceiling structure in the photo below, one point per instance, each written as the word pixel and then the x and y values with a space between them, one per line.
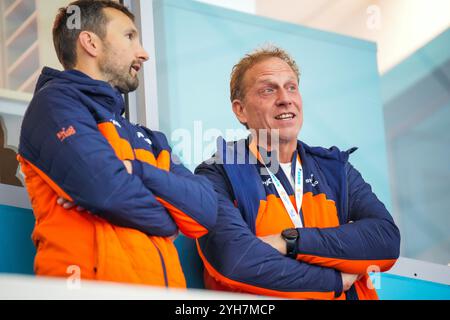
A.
pixel 399 27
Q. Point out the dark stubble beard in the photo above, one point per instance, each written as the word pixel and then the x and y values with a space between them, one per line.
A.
pixel 116 74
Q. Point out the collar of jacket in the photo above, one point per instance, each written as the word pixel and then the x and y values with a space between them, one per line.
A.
pixel 100 91
pixel 239 165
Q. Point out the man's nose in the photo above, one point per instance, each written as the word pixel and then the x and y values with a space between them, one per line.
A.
pixel 283 98
pixel 142 54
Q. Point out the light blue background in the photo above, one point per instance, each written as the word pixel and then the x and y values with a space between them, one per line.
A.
pixel 416 96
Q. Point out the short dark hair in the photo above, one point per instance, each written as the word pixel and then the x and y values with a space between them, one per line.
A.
pixel 92 18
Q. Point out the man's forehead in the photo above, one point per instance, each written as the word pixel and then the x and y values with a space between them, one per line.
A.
pixel 269 76
pixel 119 19
pixel 272 64
pixel 266 70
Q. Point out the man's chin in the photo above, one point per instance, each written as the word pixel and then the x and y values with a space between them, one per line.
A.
pixel 128 87
pixel 290 133
pixel 286 137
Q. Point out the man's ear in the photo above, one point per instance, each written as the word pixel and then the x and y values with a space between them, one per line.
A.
pixel 89 42
pixel 239 111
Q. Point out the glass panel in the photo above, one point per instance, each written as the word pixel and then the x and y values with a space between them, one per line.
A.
pixel 417 117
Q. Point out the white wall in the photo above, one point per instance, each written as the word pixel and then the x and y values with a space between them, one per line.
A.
pixel 248 6
pixel 399 27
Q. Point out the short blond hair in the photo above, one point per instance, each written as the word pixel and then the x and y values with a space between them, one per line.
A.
pixel 237 90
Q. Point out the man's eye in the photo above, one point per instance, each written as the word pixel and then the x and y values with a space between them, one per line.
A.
pixel 268 90
pixel 292 88
pixel 130 36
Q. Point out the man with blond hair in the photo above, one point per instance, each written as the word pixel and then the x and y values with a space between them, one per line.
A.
pixel 313 229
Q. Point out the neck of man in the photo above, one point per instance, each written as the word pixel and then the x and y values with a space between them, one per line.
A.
pixel 90 69
pixel 285 148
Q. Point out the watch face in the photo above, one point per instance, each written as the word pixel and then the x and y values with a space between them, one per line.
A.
pixel 290 233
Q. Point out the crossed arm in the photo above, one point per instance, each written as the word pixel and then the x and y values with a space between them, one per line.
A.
pixel 370 239
pixel 330 260
pixel 84 169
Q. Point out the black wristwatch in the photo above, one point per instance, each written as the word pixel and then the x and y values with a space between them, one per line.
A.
pixel 290 236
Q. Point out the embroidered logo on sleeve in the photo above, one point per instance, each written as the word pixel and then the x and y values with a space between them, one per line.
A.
pixel 65 133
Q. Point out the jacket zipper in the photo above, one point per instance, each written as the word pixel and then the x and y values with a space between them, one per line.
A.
pixel 163 264
pixel 166 282
pixel 96 251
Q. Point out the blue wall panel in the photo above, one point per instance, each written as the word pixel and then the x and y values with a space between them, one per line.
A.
pixel 393 287
pixel 16 248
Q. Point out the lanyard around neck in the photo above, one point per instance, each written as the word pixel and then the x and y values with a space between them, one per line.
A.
pixel 298 190
pixel 294 215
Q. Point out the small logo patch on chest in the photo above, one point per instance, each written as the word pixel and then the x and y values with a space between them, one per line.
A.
pixel 312 181
pixel 267 182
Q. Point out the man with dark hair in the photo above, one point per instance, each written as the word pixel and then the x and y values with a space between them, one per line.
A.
pixel 93 21
pixel 311 230
pixel 69 24
pixel 75 145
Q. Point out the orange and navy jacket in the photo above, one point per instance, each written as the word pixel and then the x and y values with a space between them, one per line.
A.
pixel 346 228
pixel 72 144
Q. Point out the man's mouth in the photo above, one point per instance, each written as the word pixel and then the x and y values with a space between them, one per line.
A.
pixel 136 67
pixel 285 116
